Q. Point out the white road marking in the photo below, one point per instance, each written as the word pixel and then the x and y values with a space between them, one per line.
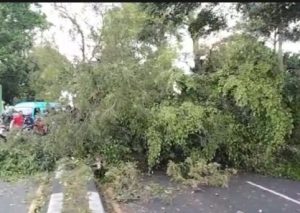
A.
pixel 95 203
pixel 56 203
pixel 273 192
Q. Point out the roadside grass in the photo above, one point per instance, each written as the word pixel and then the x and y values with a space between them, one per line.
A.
pixel 124 183
pixel 148 192
pixel 75 178
pixel 40 197
pixel 289 170
pixel 110 203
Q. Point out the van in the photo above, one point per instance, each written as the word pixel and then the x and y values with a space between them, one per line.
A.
pixel 29 108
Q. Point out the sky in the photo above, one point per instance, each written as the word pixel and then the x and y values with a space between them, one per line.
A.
pixel 59 32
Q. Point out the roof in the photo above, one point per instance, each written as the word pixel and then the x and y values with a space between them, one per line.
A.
pixel 25 104
pixel 32 104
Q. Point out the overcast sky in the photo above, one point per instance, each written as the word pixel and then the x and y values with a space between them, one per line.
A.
pixel 59 34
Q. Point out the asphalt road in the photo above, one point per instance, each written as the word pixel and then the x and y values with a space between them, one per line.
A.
pixel 16 197
pixel 245 194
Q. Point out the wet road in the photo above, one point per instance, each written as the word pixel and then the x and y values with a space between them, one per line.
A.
pixel 245 194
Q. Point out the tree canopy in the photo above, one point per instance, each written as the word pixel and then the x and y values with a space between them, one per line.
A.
pixel 238 108
pixel 199 19
pixel 17 29
pixel 279 19
pixel 49 72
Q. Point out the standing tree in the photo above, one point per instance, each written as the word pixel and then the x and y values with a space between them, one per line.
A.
pixel 51 73
pixel 280 19
pixel 88 34
pixel 200 20
pixel 17 26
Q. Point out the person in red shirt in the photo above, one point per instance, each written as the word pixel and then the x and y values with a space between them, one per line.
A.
pixel 17 121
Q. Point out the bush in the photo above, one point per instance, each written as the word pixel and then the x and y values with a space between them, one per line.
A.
pixel 250 88
pixel 67 136
pixel 199 172
pixel 124 180
pixel 24 155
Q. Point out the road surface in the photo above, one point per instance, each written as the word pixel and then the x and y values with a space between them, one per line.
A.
pixel 245 194
pixel 16 197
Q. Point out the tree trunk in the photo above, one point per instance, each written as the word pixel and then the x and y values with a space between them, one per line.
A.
pixel 196 51
pixel 275 41
pixel 280 53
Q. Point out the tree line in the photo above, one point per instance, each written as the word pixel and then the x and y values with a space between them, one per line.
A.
pixel 239 107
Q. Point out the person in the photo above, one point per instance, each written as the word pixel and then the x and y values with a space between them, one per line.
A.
pixel 68 108
pixel 7 117
pixel 17 121
pixel 36 112
pixel 3 131
pixel 40 127
pixel 28 121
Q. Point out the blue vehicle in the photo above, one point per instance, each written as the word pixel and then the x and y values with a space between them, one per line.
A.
pixel 30 108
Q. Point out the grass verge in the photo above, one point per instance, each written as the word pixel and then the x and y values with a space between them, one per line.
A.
pixel 75 178
pixel 38 200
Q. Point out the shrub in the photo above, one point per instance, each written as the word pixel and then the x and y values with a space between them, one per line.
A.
pixel 199 172
pixel 24 155
pixel 124 180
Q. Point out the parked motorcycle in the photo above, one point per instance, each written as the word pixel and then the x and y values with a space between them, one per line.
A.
pixel 3 132
pixel 27 128
pixel 28 124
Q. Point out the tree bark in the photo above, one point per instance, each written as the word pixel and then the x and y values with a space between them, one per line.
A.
pixel 64 13
pixel 280 53
pixel 196 51
pixel 275 41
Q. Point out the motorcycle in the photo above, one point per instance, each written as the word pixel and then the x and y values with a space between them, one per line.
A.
pixel 6 119
pixel 28 124
pixel 3 132
pixel 27 128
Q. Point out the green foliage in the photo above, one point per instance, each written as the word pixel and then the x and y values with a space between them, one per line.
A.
pixel 169 17
pixel 248 75
pixel 198 172
pixel 25 155
pixel 269 17
pixel 118 93
pixel 200 20
pixel 174 13
pixel 68 137
pixel 206 17
pixel 279 20
pixel 292 62
pixel 124 180
pixel 238 112
pixel 18 23
pixel 234 114
pixel 172 126
pixel 50 72
pixel 178 131
pixel 291 91
pixel 75 181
